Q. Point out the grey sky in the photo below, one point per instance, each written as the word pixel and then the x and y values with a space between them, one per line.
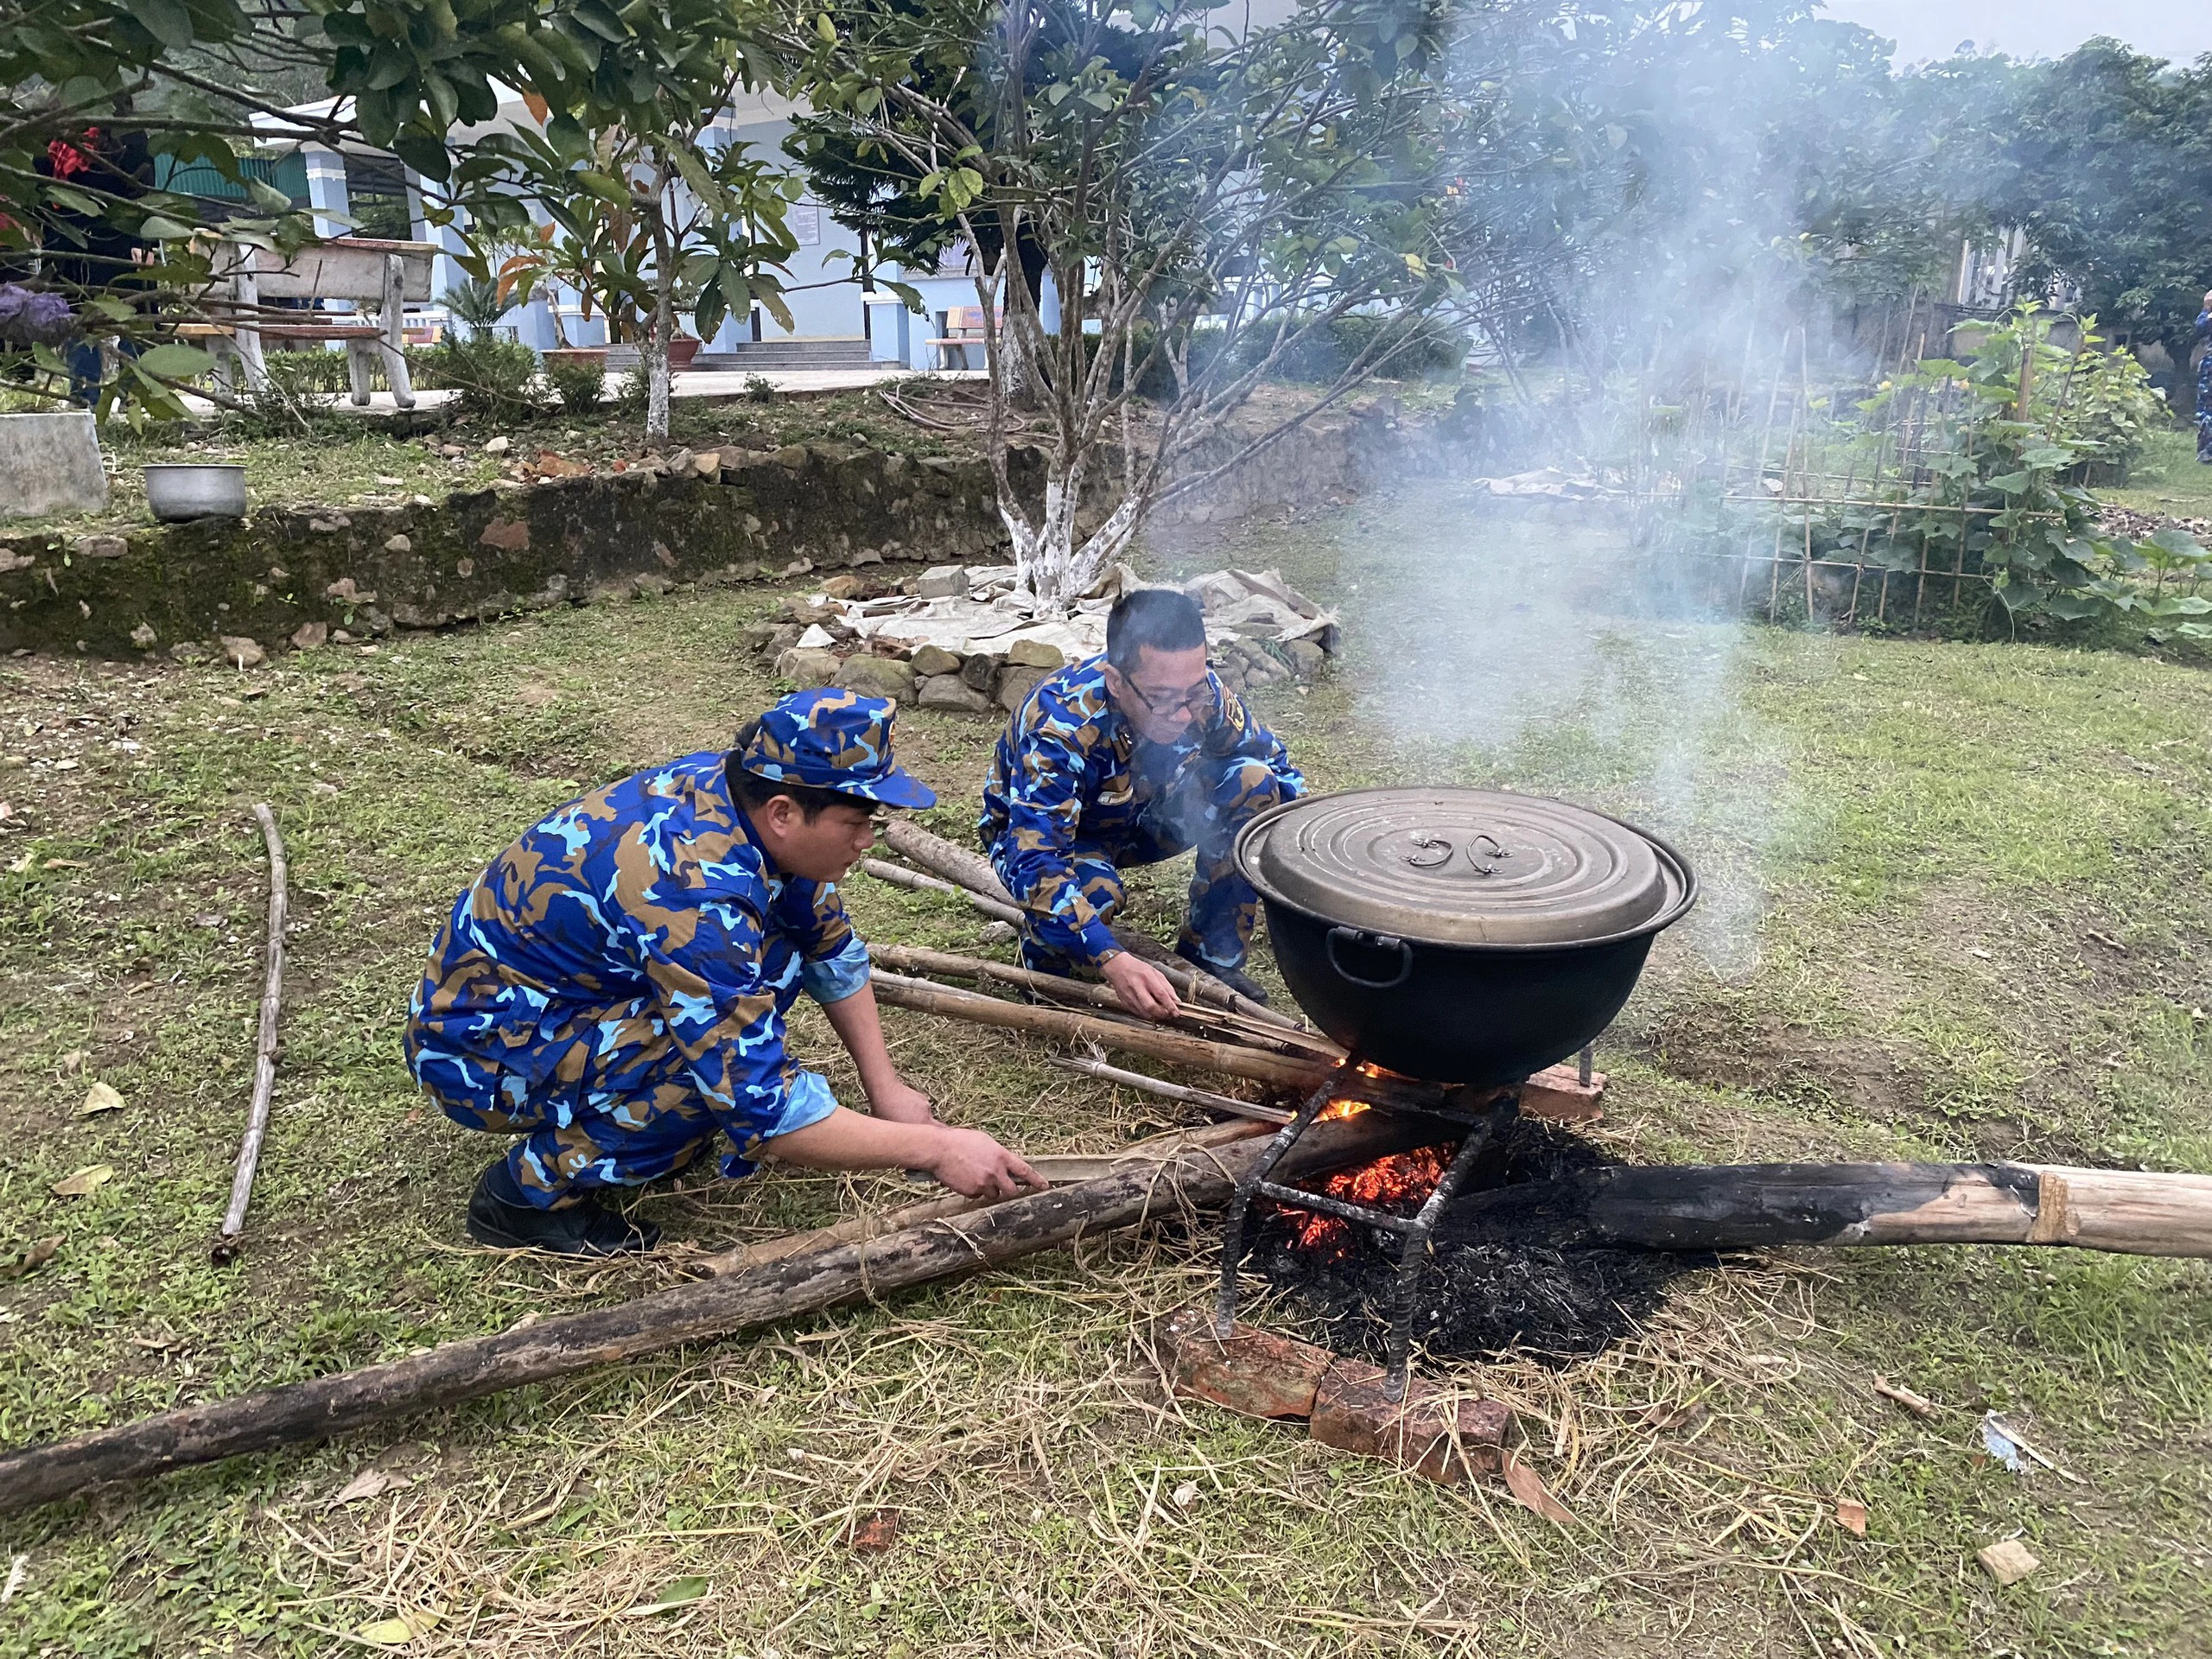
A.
pixel 2179 29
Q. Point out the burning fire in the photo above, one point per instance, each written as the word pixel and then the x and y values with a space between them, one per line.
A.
pixel 1401 1180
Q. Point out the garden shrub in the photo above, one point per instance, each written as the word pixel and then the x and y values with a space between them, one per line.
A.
pixel 1424 345
pixel 582 387
pixel 495 376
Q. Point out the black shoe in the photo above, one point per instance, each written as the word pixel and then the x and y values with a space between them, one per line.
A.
pixel 586 1228
pixel 1235 978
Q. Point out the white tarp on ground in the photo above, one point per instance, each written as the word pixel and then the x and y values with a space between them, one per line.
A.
pixel 992 616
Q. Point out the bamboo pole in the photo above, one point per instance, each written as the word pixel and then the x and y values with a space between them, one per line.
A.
pixel 696 1311
pixel 918 960
pixel 973 871
pixel 1555 1092
pixel 915 881
pixel 265 1057
pixel 898 991
pixel 1714 1207
pixel 1166 1091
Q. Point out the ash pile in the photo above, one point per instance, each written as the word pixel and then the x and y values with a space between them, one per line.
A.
pixel 1475 1300
pixel 965 639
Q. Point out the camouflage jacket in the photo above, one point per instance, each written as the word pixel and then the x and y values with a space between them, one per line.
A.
pixel 1070 770
pixel 646 900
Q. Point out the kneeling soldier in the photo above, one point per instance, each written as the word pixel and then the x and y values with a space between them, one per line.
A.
pixel 1129 759
pixel 614 988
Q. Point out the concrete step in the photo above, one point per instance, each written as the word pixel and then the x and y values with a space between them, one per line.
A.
pixel 787 354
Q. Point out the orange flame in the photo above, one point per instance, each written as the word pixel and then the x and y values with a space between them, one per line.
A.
pixel 1402 1179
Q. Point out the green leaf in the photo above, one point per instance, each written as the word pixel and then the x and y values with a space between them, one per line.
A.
pixel 167 21
pixel 681 1593
pixel 425 152
pixel 2070 607
pixel 156 227
pixel 177 362
pixel 75 201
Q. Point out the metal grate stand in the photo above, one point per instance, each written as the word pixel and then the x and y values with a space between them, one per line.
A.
pixel 1484 1117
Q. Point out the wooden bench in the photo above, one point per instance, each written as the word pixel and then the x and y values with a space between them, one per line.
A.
pixel 964 328
pixel 380 275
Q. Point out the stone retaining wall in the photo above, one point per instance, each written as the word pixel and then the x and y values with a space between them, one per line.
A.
pixel 301 575
pixel 284 575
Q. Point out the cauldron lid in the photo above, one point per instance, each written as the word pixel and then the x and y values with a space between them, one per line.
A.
pixel 1464 867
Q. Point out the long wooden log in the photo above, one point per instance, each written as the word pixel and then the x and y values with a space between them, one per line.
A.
pixel 1056 1167
pixel 1716 1207
pixel 973 871
pixel 898 991
pixel 697 1311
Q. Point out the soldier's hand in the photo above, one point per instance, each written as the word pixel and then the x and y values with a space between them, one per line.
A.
pixel 977 1166
pixel 1144 990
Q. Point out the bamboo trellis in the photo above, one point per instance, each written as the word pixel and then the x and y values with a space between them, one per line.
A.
pixel 1787 474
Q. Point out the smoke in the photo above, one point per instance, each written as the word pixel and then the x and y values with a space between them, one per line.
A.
pixel 1646 274
pixel 1544 654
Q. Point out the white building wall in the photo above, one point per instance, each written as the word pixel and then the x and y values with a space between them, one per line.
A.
pixel 826 302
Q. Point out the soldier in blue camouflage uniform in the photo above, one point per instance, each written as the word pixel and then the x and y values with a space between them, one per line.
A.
pixel 1129 759
pixel 612 989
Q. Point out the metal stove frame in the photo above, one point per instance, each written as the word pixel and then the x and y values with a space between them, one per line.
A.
pixel 1484 1116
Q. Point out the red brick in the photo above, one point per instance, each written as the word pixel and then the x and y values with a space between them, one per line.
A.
pixel 1439 1438
pixel 1254 1372
pixel 1557 1093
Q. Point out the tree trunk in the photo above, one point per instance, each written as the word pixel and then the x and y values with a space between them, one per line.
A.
pixel 699 1312
pixel 1021 385
pixel 654 354
pixel 661 330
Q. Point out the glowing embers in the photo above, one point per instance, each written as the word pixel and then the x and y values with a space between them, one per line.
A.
pixel 1398 1184
pixel 1342 1107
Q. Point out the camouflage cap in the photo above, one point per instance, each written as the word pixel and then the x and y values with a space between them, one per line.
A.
pixel 834 739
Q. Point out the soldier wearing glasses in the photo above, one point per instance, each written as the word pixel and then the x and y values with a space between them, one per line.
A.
pixel 1130 759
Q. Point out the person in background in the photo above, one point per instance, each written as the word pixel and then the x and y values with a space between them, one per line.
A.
pixel 90 255
pixel 612 989
pixel 1129 759
pixel 2204 382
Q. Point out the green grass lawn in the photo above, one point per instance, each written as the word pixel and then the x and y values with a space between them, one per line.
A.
pixel 2168 479
pixel 1957 898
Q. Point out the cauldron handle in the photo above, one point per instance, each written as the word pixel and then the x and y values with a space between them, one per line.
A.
pixel 1373 942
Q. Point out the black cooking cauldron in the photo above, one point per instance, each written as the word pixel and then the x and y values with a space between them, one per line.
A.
pixel 1460 935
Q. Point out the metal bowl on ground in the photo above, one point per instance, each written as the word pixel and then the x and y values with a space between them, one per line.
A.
pixel 180 490
pixel 1460 935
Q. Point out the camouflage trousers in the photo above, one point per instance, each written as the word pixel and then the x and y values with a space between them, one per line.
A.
pixel 2204 407
pixel 608 1102
pixel 1205 812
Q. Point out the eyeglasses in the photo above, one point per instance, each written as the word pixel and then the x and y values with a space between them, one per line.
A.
pixel 1193 702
